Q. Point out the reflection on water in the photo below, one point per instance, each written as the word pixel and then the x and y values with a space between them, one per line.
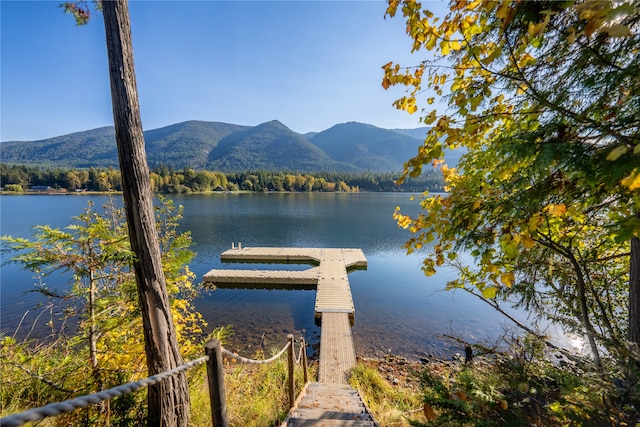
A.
pixel 398 309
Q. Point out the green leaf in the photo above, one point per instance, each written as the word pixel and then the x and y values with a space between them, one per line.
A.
pixel 616 153
pixel 618 30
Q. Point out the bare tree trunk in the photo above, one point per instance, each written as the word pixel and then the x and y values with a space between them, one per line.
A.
pixel 168 401
pixel 93 333
pixel 634 293
pixel 581 288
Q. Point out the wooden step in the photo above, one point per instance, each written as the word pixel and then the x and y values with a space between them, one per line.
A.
pixel 302 422
pixel 335 405
pixel 315 413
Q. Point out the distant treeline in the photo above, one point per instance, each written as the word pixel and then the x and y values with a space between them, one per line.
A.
pixel 167 180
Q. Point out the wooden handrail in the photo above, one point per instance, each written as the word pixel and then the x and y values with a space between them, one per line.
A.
pixel 215 376
pixel 292 379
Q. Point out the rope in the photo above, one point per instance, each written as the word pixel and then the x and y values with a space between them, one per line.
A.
pixel 253 361
pixel 58 408
pixel 84 401
pixel 299 358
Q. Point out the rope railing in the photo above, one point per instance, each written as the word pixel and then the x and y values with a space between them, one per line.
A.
pixel 215 375
pixel 214 350
pixel 70 405
pixel 254 361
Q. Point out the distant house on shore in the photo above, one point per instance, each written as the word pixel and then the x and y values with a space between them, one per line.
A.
pixel 41 189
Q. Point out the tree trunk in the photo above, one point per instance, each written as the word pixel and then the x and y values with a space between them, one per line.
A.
pixel 168 401
pixel 634 293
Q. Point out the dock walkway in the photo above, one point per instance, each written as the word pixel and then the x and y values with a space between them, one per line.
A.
pixel 334 308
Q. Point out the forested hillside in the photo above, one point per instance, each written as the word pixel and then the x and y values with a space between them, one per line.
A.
pixel 164 179
pixel 367 147
pixel 270 146
pixel 348 147
pixel 186 144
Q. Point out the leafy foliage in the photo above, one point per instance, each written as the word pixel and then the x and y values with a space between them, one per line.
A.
pixel 92 179
pixel 165 179
pixel 102 300
pixel 517 387
pixel 543 96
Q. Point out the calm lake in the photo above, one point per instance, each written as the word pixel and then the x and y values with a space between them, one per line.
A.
pixel 398 309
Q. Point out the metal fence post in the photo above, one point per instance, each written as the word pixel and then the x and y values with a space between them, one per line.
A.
pixel 292 379
pixel 215 376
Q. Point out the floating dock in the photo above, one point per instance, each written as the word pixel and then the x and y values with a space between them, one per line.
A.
pixel 334 309
pixel 328 276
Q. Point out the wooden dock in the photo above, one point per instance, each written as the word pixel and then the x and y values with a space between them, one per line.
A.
pixel 334 309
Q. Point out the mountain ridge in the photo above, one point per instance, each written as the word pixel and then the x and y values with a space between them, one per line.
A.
pixel 227 147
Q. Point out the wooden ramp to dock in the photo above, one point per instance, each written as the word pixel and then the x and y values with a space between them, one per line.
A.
pixel 337 354
pixel 334 308
pixel 329 405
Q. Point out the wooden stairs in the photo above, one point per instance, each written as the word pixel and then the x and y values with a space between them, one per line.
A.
pixel 329 405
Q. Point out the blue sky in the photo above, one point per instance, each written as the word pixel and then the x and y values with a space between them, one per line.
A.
pixel 308 64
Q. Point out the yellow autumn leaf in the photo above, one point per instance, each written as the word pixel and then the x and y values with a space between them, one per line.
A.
pixel 429 271
pixel 535 222
pixel 616 153
pixel 473 4
pixel 502 10
pixel 527 241
pixel 490 293
pixel 632 181
pixel 431 42
pixel 556 210
pixel 430 118
pixel 507 279
pixel 535 29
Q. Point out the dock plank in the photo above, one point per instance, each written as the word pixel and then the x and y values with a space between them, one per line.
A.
pixel 337 354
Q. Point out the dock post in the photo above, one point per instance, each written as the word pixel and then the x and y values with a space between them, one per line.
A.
pixel 215 377
pixel 292 379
